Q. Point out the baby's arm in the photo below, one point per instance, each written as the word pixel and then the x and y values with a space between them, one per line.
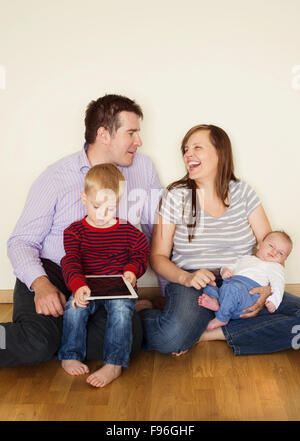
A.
pixel 226 273
pixel 277 282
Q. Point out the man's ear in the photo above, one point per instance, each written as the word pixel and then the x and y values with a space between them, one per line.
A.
pixel 83 197
pixel 103 135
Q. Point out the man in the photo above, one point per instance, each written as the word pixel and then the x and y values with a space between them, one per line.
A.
pixel 36 245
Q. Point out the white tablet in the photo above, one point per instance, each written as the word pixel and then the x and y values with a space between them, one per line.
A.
pixel 110 287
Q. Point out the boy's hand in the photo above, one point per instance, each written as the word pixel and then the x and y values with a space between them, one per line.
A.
pixel 79 297
pixel 226 273
pixel 131 277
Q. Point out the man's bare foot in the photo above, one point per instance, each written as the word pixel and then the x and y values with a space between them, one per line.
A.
pixel 105 375
pixel 215 323
pixel 74 367
pixel 143 304
pixel 208 302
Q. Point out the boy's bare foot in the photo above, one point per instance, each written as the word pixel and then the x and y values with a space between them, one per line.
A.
pixel 208 302
pixel 105 375
pixel 178 354
pixel 215 323
pixel 74 367
pixel 143 304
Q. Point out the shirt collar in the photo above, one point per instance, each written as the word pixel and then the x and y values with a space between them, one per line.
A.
pixel 84 163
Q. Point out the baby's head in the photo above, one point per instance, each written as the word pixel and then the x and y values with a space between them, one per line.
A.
pixel 103 188
pixel 275 247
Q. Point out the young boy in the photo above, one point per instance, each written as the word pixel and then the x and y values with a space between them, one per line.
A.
pixel 100 244
pixel 266 267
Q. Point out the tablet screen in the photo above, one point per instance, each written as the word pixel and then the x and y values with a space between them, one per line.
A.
pixel 109 287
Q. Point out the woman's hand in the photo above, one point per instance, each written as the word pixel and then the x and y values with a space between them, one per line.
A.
pixel 264 292
pixel 199 279
pixel 79 297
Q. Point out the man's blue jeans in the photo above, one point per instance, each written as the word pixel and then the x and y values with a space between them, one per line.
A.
pixel 118 331
pixel 179 326
pixel 233 296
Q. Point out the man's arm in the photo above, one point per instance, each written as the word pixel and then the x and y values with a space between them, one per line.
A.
pixel 26 241
pixel 149 217
pixel 34 224
pixel 154 193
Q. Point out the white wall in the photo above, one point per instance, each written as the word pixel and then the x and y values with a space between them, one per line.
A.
pixel 229 63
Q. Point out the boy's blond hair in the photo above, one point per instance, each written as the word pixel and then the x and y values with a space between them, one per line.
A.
pixel 105 177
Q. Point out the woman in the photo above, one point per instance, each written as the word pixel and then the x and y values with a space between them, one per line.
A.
pixel 205 221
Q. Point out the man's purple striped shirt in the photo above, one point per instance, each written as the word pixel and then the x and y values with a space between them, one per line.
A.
pixel 54 203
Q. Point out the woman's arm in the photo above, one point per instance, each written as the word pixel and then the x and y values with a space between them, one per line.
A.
pixel 161 247
pixel 260 226
pixel 259 223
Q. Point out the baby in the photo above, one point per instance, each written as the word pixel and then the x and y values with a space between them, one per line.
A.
pixel 267 267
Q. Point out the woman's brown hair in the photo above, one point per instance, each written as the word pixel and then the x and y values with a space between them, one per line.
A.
pixel 220 140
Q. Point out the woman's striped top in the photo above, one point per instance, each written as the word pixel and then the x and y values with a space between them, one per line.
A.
pixel 217 241
pixel 99 251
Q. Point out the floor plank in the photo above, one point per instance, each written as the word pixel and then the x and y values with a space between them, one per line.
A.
pixel 207 383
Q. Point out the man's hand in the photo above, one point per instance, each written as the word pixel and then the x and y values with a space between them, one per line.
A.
pixel 131 277
pixel 48 299
pixel 79 297
pixel 199 279
pixel 252 311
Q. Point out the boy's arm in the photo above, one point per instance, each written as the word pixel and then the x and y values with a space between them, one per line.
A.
pixel 139 252
pixel 71 262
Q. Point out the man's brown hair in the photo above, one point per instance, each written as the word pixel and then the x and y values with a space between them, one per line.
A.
pixel 104 112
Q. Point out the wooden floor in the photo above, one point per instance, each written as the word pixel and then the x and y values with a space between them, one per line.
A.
pixel 207 383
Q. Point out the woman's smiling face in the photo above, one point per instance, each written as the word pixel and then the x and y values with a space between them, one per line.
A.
pixel 200 157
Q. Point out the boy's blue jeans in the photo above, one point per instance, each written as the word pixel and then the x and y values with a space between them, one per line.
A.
pixel 233 296
pixel 118 331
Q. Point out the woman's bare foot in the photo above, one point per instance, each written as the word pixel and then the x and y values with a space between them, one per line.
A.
pixel 143 304
pixel 214 334
pixel 105 375
pixel 74 367
pixel 215 323
pixel 208 302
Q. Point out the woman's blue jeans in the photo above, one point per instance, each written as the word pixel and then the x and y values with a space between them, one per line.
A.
pixel 118 331
pixel 179 326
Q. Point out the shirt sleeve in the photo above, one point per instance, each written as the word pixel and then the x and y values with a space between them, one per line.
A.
pixel 71 266
pixel 172 203
pixel 25 243
pixel 154 192
pixel 250 198
pixel 138 253
pixel 277 282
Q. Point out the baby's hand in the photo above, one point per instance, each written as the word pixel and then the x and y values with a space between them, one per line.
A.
pixel 131 277
pixel 270 306
pixel 226 273
pixel 79 297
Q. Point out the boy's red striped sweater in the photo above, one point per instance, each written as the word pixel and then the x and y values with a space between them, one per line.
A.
pixel 97 251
